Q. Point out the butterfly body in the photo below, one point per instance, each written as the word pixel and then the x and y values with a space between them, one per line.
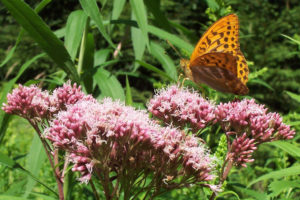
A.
pixel 217 60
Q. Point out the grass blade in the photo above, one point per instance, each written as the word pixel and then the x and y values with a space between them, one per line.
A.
pixel 167 63
pixel 117 8
pixel 139 10
pixel 10 54
pixel 172 38
pixel 74 29
pixel 154 69
pixel 42 34
pixel 128 100
pixel 291 171
pixel 91 9
pixel 138 42
pixel 4 118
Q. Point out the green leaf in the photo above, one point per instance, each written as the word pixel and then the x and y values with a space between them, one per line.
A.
pixel 87 62
pixel 103 3
pixel 138 42
pixel 101 56
pixel 128 100
pixel 212 4
pixel 74 29
pixel 167 63
pixel 295 170
pixel 172 38
pixel 139 10
pixel 257 195
pixel 39 8
pixel 292 39
pixel 4 118
pixel 6 197
pixel 7 161
pixel 261 82
pixel 160 19
pixel 291 149
pixel 42 34
pixel 294 96
pixel 117 8
pixel 91 9
pixel 42 5
pixel 12 50
pixel 35 159
pixel 226 193
pixel 279 186
pixel 154 69
pixel 109 85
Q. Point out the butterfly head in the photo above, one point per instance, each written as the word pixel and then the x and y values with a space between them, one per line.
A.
pixel 185 66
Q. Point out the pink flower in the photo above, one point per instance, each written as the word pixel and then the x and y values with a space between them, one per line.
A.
pixel 180 106
pixel 241 150
pixel 111 134
pixel 251 125
pixel 28 102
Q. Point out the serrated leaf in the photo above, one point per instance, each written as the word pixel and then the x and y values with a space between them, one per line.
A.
pixel 295 170
pixel 291 149
pixel 279 186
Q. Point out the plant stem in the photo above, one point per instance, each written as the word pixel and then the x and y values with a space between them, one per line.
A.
pixel 94 190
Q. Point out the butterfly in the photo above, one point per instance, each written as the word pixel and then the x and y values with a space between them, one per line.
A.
pixel 217 59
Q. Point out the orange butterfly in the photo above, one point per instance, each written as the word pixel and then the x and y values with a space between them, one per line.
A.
pixel 217 59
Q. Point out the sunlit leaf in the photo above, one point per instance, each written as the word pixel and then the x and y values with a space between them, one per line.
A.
pixel 74 29
pixel 295 170
pixel 91 9
pixel 109 85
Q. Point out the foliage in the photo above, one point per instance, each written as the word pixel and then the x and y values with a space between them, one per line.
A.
pixel 120 49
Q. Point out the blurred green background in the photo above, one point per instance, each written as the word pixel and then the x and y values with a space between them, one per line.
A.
pixel 269 39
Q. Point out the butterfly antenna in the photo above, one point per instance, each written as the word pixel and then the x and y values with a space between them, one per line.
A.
pixel 173 47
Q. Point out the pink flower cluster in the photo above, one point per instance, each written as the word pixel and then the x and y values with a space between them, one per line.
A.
pixel 249 123
pixel 109 136
pixel 31 102
pixel 179 106
pixel 252 125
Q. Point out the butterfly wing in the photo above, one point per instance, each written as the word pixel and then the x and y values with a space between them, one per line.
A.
pixel 219 71
pixel 222 37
